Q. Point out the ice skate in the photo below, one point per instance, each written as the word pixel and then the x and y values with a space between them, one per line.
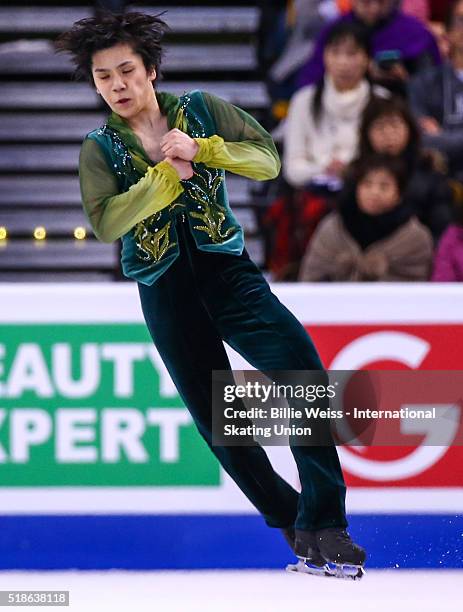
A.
pixel 345 558
pixel 328 552
pixel 310 560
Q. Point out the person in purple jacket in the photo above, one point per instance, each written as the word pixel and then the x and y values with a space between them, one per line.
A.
pixel 448 260
pixel 401 44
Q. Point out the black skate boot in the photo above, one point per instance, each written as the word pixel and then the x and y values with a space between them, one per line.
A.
pixel 310 561
pixel 344 557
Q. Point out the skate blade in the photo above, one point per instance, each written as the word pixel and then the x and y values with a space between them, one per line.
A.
pixel 346 571
pixel 302 567
pixel 329 570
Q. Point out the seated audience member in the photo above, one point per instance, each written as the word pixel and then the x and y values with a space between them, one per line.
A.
pixel 321 130
pixel 320 139
pixel 401 44
pixel 389 128
pixel 373 236
pixel 448 261
pixel 436 98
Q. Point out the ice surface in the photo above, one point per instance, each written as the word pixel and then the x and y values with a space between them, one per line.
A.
pixel 246 591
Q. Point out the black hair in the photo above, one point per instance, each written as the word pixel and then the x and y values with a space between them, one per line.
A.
pixel 368 228
pixel 87 36
pixel 340 32
pixel 388 107
pixel 394 165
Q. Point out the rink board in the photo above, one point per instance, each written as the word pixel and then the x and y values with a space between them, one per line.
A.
pixel 213 541
pixel 74 358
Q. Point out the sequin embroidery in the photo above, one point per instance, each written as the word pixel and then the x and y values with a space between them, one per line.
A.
pixel 152 242
pixel 152 236
pixel 203 187
pixel 213 216
pixel 153 245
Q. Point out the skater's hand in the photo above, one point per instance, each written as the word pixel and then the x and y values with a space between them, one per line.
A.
pixel 178 144
pixel 184 168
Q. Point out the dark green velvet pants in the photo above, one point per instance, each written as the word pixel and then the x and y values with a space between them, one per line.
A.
pixel 204 299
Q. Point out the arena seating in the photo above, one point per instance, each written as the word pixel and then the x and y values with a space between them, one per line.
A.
pixel 44 116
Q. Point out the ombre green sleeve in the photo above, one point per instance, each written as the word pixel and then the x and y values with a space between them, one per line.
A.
pixel 111 213
pixel 241 144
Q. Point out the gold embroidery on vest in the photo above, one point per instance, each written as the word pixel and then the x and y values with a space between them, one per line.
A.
pixel 175 205
pixel 212 213
pixel 153 245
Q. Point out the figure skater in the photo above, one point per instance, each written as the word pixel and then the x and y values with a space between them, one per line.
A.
pixel 153 175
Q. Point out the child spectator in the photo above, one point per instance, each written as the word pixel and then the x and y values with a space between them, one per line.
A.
pixel 436 97
pixel 320 139
pixel 389 128
pixel 374 235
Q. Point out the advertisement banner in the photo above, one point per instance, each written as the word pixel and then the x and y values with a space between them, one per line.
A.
pixel 87 406
pixel 397 346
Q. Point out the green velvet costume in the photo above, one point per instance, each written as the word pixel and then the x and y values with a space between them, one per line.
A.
pixel 198 286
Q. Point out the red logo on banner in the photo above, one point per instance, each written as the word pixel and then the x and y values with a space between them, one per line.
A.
pixel 396 347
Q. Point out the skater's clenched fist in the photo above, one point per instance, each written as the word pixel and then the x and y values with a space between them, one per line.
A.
pixel 184 168
pixel 178 144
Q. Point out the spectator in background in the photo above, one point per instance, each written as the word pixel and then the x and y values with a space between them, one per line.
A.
pixel 320 138
pixel 448 261
pixel 388 127
pixel 321 130
pixel 436 97
pixel 401 44
pixel 374 235
pixel 439 10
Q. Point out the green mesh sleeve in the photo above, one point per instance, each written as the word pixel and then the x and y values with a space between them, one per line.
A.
pixel 112 214
pixel 241 144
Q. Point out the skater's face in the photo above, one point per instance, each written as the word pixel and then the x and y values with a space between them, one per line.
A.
pixel 389 135
pixel 119 73
pixel 346 63
pixel 378 192
pixel 372 11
